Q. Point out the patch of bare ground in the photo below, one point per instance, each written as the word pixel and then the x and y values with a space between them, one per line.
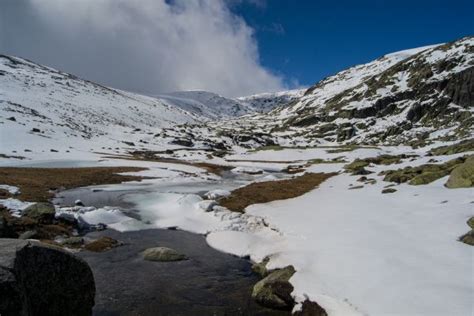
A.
pixel 40 184
pixel 152 156
pixel 264 192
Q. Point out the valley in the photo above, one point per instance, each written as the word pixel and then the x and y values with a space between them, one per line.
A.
pixel 351 197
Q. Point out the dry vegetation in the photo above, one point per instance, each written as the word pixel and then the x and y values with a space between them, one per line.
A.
pixel 264 192
pixel 39 184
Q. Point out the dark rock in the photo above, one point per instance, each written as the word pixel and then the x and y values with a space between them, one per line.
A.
pixel 12 118
pixel 36 130
pixel 6 230
pixel 389 190
pixel 37 279
pixel 310 309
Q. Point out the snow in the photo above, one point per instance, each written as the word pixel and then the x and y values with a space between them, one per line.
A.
pixel 380 254
pixel 15 206
pixel 217 193
pixel 11 189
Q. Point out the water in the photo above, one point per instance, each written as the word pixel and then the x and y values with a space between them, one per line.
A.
pixel 210 283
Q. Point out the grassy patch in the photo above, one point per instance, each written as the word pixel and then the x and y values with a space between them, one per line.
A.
pixel 39 184
pixel 264 192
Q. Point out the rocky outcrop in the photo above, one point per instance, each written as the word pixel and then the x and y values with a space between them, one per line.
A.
pixel 36 279
pixel 274 291
pixel 162 254
pixel 463 175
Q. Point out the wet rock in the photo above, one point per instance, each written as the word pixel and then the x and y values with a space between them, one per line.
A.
pixel 78 203
pixel 463 175
pixel 162 254
pixel 309 308
pixel 37 279
pixel 389 190
pixel 274 291
pixel 42 212
pixel 102 244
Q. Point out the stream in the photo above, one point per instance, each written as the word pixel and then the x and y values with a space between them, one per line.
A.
pixel 209 283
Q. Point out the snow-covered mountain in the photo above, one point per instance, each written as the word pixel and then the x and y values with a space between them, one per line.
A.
pixel 402 97
pixel 47 105
pixel 206 104
pixel 265 102
pixel 411 97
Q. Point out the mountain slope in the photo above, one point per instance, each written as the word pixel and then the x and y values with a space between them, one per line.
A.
pixel 264 102
pixel 395 99
pixel 206 104
pixel 42 108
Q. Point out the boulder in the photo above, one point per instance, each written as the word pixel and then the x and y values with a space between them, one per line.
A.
pixel 389 190
pixel 162 254
pixel 261 267
pixel 463 175
pixel 309 308
pixel 274 291
pixel 102 244
pixel 470 222
pixel 42 212
pixel 468 238
pixel 37 279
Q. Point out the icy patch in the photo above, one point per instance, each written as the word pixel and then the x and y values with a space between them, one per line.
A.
pixel 90 216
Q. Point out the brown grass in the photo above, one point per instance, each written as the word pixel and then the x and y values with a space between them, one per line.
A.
pixel 151 156
pixel 264 192
pixel 37 184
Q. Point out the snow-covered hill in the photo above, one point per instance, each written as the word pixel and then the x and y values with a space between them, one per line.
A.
pixel 402 97
pixel 411 97
pixel 43 109
pixel 206 104
pixel 265 102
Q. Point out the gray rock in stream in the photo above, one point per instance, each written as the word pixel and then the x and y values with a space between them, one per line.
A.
pixel 36 279
pixel 162 254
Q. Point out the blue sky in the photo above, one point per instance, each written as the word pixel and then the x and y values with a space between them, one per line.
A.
pixel 307 40
pixel 231 47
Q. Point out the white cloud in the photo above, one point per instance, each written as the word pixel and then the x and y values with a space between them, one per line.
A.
pixel 148 45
